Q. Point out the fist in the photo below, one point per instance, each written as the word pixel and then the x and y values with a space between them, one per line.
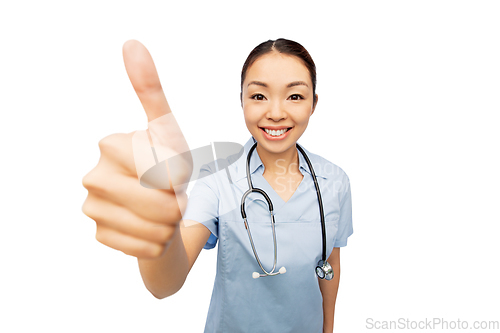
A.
pixel 136 193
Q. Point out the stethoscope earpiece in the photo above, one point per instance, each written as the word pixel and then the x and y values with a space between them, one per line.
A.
pixel 256 275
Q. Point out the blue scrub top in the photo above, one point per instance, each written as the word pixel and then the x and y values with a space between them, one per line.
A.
pixel 290 302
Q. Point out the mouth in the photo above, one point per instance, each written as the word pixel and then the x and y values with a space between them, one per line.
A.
pixel 276 133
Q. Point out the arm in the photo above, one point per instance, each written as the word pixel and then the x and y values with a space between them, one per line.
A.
pixel 329 291
pixel 165 275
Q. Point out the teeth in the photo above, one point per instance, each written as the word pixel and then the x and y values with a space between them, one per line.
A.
pixel 275 133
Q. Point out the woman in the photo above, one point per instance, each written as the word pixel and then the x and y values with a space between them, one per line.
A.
pixel 267 279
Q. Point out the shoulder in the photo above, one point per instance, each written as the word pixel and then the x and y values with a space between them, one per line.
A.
pixel 334 178
pixel 230 158
pixel 219 164
pixel 327 169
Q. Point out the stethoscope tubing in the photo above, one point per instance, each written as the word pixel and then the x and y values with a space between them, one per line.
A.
pixel 252 189
pixel 321 211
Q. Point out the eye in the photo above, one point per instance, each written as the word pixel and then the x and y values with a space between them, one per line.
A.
pixel 296 97
pixel 258 97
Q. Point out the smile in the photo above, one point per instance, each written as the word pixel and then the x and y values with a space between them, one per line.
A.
pixel 276 133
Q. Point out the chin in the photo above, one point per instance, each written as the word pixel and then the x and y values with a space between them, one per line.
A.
pixel 276 147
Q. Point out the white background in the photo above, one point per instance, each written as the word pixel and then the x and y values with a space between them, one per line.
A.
pixel 408 107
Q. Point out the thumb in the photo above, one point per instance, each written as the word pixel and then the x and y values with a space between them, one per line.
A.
pixel 164 138
pixel 142 73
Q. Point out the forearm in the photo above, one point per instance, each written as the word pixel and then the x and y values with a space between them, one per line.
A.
pixel 165 275
pixel 329 291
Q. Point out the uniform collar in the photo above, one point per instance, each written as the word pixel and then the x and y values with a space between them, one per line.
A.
pixel 257 165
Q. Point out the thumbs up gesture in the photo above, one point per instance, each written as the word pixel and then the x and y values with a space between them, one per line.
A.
pixel 136 192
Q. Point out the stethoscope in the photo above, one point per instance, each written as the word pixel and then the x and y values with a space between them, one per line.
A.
pixel 323 269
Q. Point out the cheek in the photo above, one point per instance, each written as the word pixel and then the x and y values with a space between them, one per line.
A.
pixel 250 120
pixel 302 115
pixel 251 114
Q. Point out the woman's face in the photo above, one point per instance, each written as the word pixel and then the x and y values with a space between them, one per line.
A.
pixel 277 101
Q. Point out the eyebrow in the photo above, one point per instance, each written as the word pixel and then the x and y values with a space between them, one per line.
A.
pixel 297 83
pixel 258 83
pixel 291 84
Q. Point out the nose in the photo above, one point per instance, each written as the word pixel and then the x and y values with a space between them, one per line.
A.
pixel 276 111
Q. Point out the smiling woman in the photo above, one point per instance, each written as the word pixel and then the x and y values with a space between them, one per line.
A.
pixel 278 97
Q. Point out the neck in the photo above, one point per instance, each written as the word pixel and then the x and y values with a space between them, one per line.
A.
pixel 281 163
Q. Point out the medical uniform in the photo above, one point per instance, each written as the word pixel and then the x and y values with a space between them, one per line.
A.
pixel 290 302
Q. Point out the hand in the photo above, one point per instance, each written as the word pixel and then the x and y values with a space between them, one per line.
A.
pixel 136 220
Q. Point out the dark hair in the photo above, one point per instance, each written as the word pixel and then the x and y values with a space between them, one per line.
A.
pixel 284 46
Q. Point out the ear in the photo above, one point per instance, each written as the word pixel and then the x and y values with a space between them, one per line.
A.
pixel 241 99
pixel 314 105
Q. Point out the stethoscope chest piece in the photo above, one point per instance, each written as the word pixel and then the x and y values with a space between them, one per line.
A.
pixel 324 270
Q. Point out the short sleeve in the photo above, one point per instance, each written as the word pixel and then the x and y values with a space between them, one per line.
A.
pixel 345 219
pixel 203 204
